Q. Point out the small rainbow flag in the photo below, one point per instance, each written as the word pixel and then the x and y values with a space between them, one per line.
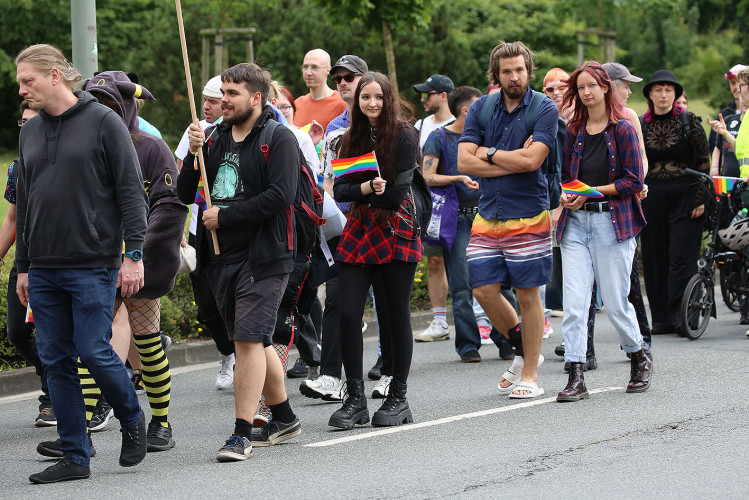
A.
pixel 29 314
pixel 364 163
pixel 724 185
pixel 200 195
pixel 581 189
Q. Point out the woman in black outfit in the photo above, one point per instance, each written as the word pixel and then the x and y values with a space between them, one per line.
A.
pixel 380 237
pixel 674 141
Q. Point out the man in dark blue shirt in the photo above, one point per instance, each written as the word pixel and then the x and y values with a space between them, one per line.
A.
pixel 511 236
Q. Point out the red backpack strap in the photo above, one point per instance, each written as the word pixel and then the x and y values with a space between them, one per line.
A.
pixel 319 221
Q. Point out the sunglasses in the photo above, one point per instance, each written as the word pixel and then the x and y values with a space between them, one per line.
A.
pixel 550 90
pixel 345 78
pixel 426 95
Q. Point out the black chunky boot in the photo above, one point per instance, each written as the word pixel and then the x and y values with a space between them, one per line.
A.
pixel 354 410
pixel 575 390
pixel 395 410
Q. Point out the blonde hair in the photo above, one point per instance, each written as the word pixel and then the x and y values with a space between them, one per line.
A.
pixel 275 90
pixel 45 58
pixel 743 75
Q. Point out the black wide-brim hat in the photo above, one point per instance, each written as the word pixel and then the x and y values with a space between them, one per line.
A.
pixel 662 76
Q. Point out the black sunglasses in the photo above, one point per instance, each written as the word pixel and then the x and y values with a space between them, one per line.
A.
pixel 346 78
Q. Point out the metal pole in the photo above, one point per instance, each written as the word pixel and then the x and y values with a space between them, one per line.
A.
pixel 83 27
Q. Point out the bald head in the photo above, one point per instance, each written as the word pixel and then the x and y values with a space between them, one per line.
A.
pixel 315 69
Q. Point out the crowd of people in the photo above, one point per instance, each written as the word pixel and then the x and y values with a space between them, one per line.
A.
pixel 325 193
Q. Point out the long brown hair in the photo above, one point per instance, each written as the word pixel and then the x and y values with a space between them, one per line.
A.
pixel 614 110
pixel 361 138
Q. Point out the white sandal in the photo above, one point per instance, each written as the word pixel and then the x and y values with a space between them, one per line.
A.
pixel 532 388
pixel 512 374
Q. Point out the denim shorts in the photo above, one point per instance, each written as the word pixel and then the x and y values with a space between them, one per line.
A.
pixel 248 307
pixel 515 252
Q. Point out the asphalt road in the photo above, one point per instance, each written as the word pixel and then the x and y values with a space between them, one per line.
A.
pixel 685 438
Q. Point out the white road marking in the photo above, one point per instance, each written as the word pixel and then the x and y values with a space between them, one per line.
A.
pixel 446 420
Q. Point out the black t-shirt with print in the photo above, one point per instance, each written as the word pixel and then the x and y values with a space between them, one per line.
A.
pixel 227 191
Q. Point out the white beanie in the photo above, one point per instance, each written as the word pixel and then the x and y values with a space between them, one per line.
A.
pixel 213 88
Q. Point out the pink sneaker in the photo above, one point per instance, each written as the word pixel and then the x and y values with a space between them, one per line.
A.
pixel 485 331
pixel 548 330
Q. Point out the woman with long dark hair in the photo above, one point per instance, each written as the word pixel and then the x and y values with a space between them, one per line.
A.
pixel 381 236
pixel 597 235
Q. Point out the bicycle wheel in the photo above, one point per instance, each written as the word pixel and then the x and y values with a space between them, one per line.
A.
pixel 729 282
pixel 697 306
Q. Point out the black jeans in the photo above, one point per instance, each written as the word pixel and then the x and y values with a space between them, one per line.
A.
pixel 21 334
pixel 397 278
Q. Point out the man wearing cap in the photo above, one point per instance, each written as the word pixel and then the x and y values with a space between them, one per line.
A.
pixel 322 104
pixel 724 160
pixel 208 313
pixel 434 93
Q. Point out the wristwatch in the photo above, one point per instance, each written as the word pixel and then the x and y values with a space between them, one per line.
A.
pixel 136 255
pixel 489 155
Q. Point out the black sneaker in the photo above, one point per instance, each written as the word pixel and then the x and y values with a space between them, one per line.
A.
pixel 159 437
pixel 299 370
pixel 46 417
pixel 137 379
pixel 236 448
pixel 471 356
pixel 376 372
pixel 166 341
pixel 559 350
pixel 134 443
pixel 64 470
pixel 53 449
pixel 275 432
pixel 100 417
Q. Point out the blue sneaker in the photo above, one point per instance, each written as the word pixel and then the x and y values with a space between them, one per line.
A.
pixel 236 448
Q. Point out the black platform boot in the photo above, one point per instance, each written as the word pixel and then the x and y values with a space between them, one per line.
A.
pixel 395 410
pixel 354 410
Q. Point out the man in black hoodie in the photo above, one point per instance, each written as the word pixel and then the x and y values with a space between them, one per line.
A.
pixel 252 188
pixel 79 192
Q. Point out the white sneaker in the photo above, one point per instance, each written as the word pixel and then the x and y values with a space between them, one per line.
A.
pixel 325 387
pixel 225 375
pixel 436 331
pixel 382 389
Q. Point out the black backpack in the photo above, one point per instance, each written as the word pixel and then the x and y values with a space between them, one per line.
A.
pixel 308 203
pixel 552 165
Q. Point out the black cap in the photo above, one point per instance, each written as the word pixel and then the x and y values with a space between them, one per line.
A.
pixel 352 63
pixel 662 76
pixel 439 83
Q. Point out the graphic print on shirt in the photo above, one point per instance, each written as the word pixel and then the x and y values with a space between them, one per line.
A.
pixel 227 188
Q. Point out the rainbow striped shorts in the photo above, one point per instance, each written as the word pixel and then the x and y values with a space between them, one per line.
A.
pixel 515 252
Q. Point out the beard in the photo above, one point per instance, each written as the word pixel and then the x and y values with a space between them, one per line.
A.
pixel 241 115
pixel 515 93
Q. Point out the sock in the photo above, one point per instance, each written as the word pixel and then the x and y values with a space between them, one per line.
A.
pixel 91 392
pixel 516 339
pixel 283 412
pixel 440 313
pixel 156 375
pixel 243 428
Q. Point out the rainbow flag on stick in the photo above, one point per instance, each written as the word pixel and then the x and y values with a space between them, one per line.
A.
pixel 29 314
pixel 581 189
pixel 724 185
pixel 364 163
pixel 200 195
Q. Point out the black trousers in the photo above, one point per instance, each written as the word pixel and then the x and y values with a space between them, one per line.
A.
pixel 396 278
pixel 670 249
pixel 21 334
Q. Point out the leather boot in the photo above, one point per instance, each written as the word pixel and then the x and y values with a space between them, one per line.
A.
pixel 575 390
pixel 641 372
pixel 354 410
pixel 395 410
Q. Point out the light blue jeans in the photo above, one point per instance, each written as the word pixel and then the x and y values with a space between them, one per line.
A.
pixel 590 252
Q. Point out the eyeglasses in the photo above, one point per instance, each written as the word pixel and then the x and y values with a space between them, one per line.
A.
pixel 345 78
pixel 425 95
pixel 312 67
pixel 285 107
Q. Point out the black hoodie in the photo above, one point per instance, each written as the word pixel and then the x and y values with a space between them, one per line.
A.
pixel 79 190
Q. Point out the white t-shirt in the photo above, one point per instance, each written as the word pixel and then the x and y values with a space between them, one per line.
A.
pixel 182 149
pixel 427 125
pixel 308 149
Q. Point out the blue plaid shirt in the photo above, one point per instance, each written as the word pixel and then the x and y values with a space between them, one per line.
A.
pixel 625 172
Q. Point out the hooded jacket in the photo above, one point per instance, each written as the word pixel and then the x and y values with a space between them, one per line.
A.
pixel 269 191
pixel 80 190
pixel 166 218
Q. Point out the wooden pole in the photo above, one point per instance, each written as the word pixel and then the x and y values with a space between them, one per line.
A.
pixel 190 95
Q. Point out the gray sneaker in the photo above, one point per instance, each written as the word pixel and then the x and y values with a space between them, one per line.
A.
pixel 235 449
pixel 276 432
pixel 159 437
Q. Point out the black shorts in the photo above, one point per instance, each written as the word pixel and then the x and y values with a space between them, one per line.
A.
pixel 248 307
